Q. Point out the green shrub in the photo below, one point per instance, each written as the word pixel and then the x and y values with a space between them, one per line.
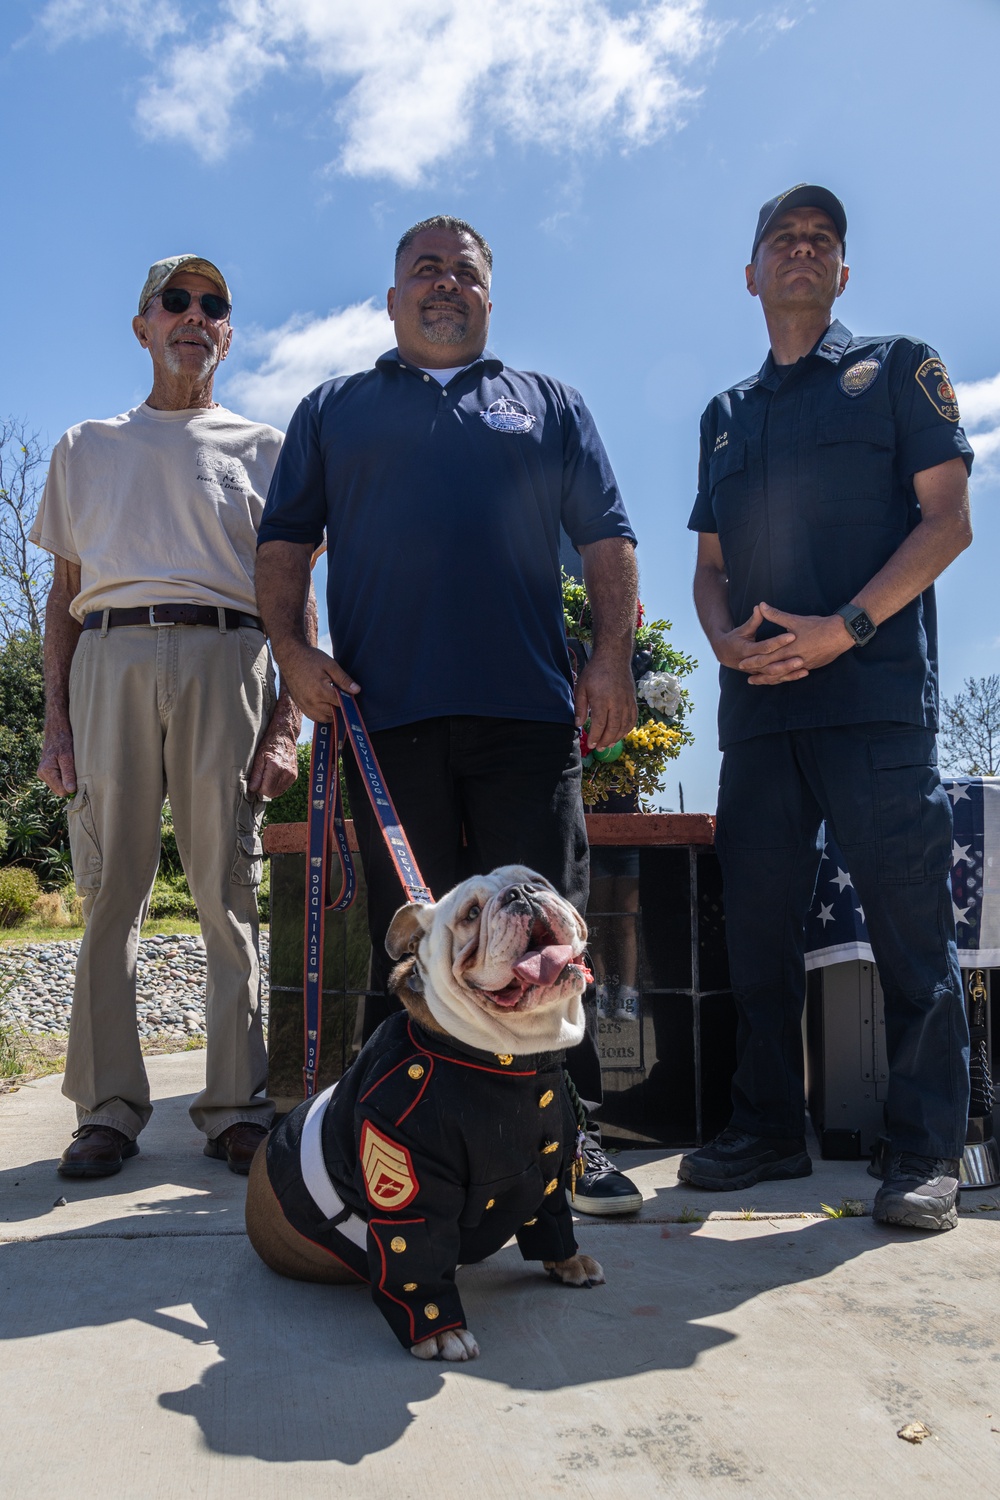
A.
pixel 19 890
pixel 170 858
pixel 22 709
pixel 293 806
pixel 171 898
pixel 35 820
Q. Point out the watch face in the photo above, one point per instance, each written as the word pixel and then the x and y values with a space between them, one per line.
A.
pixel 862 628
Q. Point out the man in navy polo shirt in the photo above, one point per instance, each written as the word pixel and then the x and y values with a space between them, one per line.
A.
pixel 440 478
pixel 832 491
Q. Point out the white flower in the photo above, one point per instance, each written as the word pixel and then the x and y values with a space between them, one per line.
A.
pixel 661 691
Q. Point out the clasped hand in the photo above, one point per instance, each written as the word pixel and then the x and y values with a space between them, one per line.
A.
pixel 808 642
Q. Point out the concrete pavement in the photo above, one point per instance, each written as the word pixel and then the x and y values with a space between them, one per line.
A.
pixel 763 1351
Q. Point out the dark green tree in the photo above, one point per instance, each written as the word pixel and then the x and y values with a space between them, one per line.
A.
pixel 22 709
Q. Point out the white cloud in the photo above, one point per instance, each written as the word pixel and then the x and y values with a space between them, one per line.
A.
pixel 417 81
pixel 979 403
pixel 287 362
pixel 144 22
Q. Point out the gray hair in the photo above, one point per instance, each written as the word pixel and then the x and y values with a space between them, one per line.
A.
pixel 453 226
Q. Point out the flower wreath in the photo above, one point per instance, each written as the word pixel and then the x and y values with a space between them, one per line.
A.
pixel 636 764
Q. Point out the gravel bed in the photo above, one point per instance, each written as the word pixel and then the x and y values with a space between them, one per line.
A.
pixel 171 985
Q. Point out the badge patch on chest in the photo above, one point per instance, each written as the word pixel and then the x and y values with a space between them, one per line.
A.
pixel 932 378
pixel 860 377
pixel 506 415
pixel 390 1180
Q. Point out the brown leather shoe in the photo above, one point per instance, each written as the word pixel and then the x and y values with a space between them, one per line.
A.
pixel 237 1145
pixel 96 1151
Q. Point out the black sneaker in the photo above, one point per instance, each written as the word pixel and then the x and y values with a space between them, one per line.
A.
pixel 919 1192
pixel 602 1189
pixel 737 1160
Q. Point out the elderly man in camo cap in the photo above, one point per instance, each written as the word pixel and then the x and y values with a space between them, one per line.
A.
pixel 159 683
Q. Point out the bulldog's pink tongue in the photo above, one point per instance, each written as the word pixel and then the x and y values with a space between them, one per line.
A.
pixel 544 965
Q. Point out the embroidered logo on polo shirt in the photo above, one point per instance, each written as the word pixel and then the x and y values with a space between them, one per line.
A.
pixel 390 1180
pixel 722 441
pixel 932 378
pixel 506 415
pixel 860 377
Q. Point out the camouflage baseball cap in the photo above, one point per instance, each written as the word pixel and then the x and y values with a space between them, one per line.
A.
pixel 163 270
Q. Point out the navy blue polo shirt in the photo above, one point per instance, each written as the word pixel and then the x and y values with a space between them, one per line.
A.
pixel 441 508
pixel 807 477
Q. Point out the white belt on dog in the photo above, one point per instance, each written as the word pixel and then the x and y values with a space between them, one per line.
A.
pixel 317 1179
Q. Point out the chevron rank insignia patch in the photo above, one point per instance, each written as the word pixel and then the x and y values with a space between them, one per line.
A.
pixel 390 1180
pixel 932 378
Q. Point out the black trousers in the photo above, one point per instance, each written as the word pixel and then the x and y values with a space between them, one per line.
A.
pixel 473 793
pixel 877 786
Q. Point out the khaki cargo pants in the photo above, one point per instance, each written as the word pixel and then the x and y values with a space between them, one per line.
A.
pixel 173 710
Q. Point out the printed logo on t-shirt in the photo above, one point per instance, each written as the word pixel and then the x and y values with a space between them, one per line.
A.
pixel 216 468
pixel 506 415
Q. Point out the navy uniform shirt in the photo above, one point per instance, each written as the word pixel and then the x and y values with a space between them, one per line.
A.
pixel 442 508
pixel 807 477
pixel 446 1153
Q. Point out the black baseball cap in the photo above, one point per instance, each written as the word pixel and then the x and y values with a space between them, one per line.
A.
pixel 804 195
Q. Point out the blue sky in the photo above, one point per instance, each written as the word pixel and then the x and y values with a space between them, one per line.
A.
pixel 615 154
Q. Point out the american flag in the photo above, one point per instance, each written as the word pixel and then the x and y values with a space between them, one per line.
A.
pixel 835 926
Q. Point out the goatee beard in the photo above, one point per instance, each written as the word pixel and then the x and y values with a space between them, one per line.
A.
pixel 445 331
pixel 172 359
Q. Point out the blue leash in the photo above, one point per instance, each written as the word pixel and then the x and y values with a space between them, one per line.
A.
pixel 326 825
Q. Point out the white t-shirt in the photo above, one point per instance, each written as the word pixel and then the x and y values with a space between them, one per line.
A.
pixel 443 376
pixel 159 507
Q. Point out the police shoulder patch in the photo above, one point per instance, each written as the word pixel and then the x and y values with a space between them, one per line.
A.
pixel 860 377
pixel 932 378
pixel 390 1180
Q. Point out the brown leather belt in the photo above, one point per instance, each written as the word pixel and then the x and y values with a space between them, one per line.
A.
pixel 171 614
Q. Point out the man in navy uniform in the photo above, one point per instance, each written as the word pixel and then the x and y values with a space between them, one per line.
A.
pixel 441 478
pixel 832 491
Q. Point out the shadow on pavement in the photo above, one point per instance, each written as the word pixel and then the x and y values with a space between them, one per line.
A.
pixel 313 1373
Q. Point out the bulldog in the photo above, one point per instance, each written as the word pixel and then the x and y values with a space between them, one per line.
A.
pixel 452 1130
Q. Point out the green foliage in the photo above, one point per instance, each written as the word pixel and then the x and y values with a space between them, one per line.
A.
pixel 33 819
pixel 660 732
pixel 19 890
pixel 170 858
pixel 171 897
pixel 293 806
pixel 847 1208
pixel 664 657
pixel 36 833
pixel 22 709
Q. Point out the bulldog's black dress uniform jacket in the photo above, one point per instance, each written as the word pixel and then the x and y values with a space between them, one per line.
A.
pixel 446 1153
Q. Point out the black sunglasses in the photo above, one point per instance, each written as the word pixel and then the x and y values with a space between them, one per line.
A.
pixel 177 299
